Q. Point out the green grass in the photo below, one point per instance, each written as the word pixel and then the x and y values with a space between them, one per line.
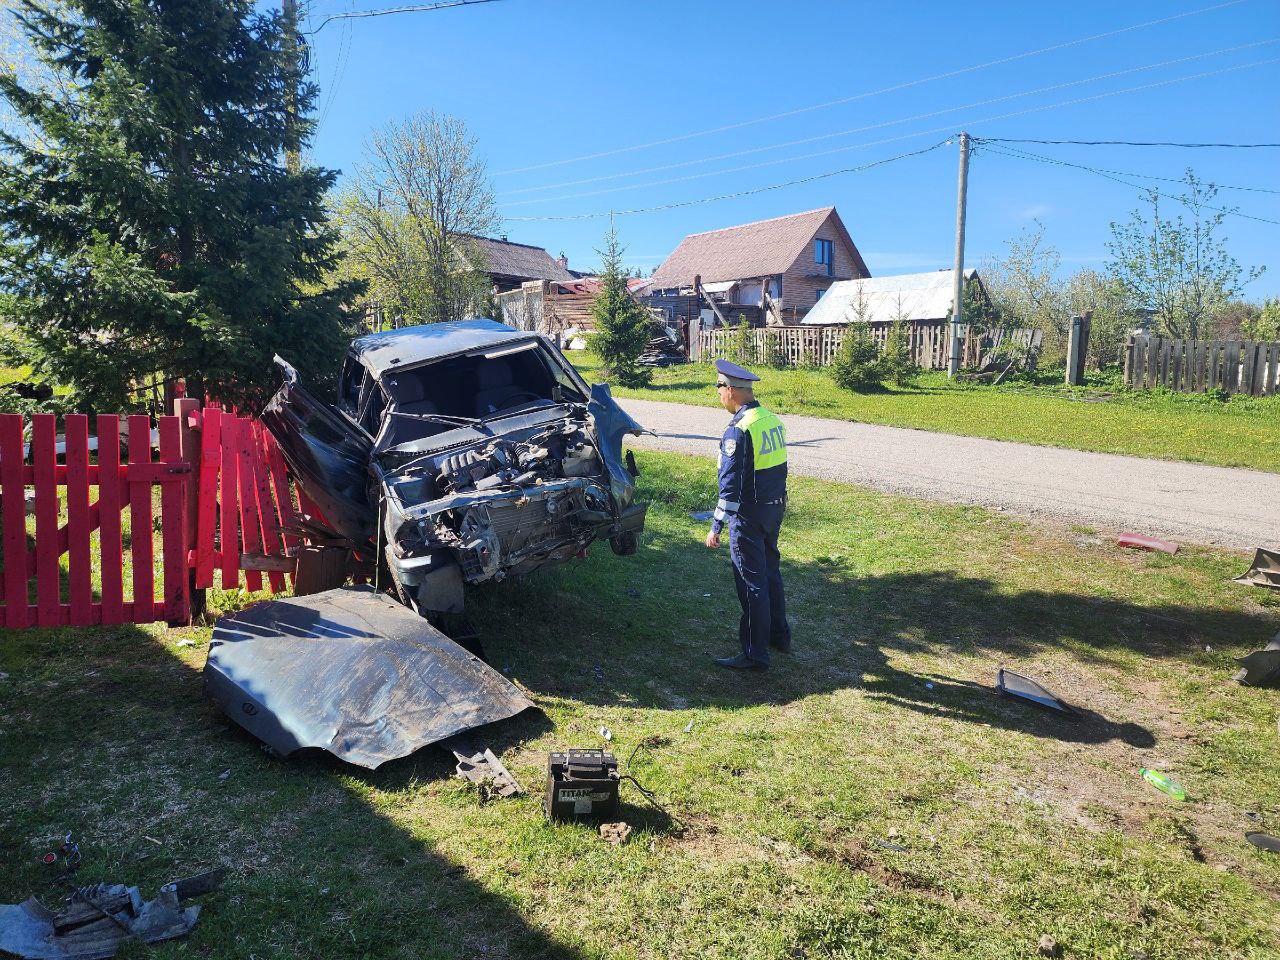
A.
pixel 1240 432
pixel 1015 822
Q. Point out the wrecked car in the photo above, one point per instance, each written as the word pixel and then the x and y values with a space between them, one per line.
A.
pixel 460 453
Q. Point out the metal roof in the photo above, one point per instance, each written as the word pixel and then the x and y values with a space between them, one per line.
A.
pixel 380 352
pixel 911 296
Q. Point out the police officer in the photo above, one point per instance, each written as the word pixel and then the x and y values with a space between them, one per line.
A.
pixel 753 498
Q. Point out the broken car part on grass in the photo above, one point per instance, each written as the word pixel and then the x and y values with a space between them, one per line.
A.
pixel 97 919
pixel 1010 684
pixel 1264 571
pixel 353 672
pixel 1262 667
pixel 1140 541
pixel 459 453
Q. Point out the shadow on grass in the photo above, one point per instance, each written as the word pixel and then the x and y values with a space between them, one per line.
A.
pixel 646 638
pixel 317 869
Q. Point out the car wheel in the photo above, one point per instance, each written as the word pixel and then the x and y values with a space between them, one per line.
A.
pixel 625 544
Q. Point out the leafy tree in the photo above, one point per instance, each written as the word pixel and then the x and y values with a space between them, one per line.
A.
pixel 1266 325
pixel 742 345
pixel 1112 318
pixel 410 217
pixel 858 365
pixel 148 225
pixel 622 325
pixel 774 354
pixel 1179 268
pixel 1025 291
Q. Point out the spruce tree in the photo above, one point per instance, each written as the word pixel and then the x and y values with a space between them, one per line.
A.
pixel 623 327
pixel 149 224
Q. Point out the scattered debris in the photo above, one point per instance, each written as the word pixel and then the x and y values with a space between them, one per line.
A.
pixel 1139 541
pixel 1010 684
pixel 1265 571
pixel 702 515
pixel 1262 667
pixel 633 593
pixel 1163 783
pixel 68 852
pixel 1048 946
pixel 3 675
pixel 153 840
pixel 890 845
pixel 98 919
pixel 352 672
pixel 928 686
pixel 1264 841
pixel 615 833
pixel 688 727
pixel 599 674
pixel 705 595
pixel 606 733
pixel 224 775
pixel 479 765
pixel 185 642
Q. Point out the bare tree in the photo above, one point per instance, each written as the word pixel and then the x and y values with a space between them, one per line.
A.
pixel 411 216
pixel 1179 268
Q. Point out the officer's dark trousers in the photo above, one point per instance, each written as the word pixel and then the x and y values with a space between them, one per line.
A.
pixel 753 546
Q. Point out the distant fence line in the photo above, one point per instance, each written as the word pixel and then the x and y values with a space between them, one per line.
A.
pixel 1195 366
pixel 818 346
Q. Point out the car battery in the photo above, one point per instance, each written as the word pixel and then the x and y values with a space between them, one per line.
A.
pixel 582 784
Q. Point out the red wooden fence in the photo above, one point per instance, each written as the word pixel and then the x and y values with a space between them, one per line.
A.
pixel 224 498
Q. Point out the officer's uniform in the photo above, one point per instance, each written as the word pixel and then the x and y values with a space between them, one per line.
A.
pixel 753 497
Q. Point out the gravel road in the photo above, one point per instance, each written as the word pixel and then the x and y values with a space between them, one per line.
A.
pixel 1187 502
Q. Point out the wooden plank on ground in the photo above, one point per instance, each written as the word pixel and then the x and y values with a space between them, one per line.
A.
pixel 141 531
pixel 110 502
pixel 13 507
pixel 79 568
pixel 173 520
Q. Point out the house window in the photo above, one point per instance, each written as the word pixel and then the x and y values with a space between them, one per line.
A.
pixel 823 255
pixel 817 295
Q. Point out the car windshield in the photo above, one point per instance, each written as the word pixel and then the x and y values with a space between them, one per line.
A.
pixel 482 385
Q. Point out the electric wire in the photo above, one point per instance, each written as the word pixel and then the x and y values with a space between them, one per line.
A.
pixel 1020 155
pixel 890 123
pixel 413 8
pixel 907 136
pixel 1138 143
pixel 740 193
pixel 873 93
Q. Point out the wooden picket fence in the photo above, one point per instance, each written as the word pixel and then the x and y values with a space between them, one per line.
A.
pixel 818 346
pixel 1195 366
pixel 224 502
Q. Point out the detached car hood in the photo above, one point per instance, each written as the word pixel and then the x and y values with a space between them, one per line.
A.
pixel 352 672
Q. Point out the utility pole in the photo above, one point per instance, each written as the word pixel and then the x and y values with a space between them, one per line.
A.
pixel 957 291
pixel 292 157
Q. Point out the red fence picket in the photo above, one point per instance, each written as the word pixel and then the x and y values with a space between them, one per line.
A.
pixel 224 468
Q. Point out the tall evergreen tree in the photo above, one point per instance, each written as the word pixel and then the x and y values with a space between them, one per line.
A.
pixel 622 325
pixel 149 225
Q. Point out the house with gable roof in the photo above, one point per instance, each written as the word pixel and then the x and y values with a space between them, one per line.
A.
pixel 795 259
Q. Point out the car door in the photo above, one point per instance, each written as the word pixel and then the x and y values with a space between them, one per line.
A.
pixel 327 453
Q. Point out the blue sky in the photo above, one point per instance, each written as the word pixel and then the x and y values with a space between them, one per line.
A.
pixel 542 82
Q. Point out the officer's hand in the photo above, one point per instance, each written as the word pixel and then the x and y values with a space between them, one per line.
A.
pixel 713 539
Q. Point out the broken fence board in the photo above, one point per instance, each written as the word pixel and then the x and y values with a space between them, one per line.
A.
pixel 207 497
pixel 229 485
pixel 250 520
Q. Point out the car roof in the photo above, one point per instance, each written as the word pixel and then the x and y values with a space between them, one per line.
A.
pixel 380 352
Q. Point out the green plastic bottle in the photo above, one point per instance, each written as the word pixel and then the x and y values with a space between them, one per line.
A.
pixel 1158 780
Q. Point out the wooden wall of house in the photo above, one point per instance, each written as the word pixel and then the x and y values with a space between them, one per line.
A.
pixel 798 288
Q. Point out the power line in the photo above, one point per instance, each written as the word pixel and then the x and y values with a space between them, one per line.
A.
pixel 890 123
pixel 906 136
pixel 1138 143
pixel 419 8
pixel 873 93
pixel 1021 155
pixel 1123 173
pixel 740 193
